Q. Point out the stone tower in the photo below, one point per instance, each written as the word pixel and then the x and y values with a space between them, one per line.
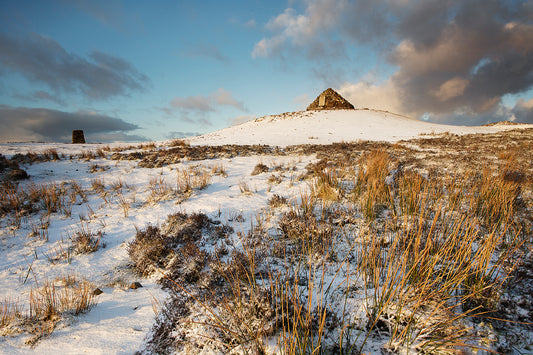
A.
pixel 78 137
pixel 330 100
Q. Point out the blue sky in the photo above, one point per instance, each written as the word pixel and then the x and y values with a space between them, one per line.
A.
pixel 139 70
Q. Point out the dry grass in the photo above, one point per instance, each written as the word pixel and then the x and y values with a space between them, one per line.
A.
pixel 219 170
pixel 277 201
pixel 60 253
pixel 124 203
pixel 51 197
pixel 326 186
pixel 422 303
pixel 495 197
pixel 178 143
pixel 84 241
pixel 148 251
pixel 194 177
pixel 260 169
pixel 245 188
pixel 50 154
pixel 10 311
pixel 51 300
pixel 11 199
pixel 160 190
pixel 66 296
pixel 371 188
pixel 40 230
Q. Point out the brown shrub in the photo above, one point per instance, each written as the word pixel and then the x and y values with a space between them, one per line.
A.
pixel 259 169
pixel 148 250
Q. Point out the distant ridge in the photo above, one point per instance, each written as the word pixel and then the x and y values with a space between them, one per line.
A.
pixel 329 99
pixel 502 123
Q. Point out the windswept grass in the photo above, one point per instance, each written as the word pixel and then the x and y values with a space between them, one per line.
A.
pixel 371 189
pixel 47 304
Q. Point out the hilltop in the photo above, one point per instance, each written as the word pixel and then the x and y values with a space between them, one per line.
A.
pixel 329 126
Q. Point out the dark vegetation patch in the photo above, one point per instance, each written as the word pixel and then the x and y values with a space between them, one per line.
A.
pixel 172 249
pixel 260 169
pixel 10 170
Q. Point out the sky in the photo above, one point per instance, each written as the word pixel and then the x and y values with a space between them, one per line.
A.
pixel 152 70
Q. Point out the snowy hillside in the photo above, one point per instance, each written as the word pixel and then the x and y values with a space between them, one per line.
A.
pixel 329 126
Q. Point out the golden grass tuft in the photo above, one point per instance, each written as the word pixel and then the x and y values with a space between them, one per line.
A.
pixel 371 187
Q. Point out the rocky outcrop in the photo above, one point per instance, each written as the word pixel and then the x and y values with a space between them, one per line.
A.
pixel 330 100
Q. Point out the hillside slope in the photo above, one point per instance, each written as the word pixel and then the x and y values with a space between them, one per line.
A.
pixel 325 127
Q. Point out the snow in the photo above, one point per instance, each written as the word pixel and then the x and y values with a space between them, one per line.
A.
pixel 122 317
pixel 329 126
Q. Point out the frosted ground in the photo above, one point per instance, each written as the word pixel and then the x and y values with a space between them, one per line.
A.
pixel 140 188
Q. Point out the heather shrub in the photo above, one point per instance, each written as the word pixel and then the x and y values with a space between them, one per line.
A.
pixel 148 251
pixel 259 169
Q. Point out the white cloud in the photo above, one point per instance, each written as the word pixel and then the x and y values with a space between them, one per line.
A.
pixel 451 88
pixel 367 95
pixel 296 29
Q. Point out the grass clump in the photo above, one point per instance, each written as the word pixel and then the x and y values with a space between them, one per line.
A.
pixel 84 241
pixel 372 189
pixel 194 177
pixel 10 170
pixel 277 201
pixel 260 169
pixel 48 304
pixel 160 190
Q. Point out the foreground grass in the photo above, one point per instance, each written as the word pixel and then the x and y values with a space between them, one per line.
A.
pixel 387 252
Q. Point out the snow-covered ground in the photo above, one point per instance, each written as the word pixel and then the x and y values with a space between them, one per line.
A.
pixel 329 126
pixel 122 317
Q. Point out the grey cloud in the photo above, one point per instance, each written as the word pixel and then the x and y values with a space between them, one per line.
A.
pixel 42 59
pixel 194 109
pixel 487 46
pixel 24 124
pixel 523 112
pixel 193 103
pixel 40 95
pixel 519 114
pixel 43 95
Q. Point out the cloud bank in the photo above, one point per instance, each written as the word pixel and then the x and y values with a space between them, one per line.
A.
pixel 455 59
pixel 40 124
pixel 41 59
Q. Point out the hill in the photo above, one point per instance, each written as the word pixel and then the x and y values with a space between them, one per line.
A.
pixel 329 126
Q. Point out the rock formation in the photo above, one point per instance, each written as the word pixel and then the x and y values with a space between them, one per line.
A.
pixel 330 100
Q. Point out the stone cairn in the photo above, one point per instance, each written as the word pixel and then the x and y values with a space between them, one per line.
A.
pixel 330 100
pixel 77 136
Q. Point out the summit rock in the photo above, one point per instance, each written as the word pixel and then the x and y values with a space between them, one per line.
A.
pixel 329 99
